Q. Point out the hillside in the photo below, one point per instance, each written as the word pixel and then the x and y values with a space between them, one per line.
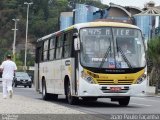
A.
pixel 43 19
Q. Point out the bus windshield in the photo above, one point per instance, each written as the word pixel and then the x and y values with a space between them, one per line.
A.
pixel 107 47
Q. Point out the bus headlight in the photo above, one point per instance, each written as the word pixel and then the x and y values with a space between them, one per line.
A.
pixel 141 79
pixel 87 78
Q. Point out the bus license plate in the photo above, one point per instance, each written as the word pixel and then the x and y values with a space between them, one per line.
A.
pixel 115 89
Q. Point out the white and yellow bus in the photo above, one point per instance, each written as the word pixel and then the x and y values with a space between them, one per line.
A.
pixel 88 61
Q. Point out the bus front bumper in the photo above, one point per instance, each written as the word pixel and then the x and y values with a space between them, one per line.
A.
pixel 96 90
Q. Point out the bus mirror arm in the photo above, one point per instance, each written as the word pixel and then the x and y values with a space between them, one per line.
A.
pixel 76 44
pixel 75 34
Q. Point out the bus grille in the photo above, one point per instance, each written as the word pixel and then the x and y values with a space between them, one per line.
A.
pixel 118 82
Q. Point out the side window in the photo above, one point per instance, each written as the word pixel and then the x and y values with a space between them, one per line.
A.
pixel 59 46
pixel 67 44
pixel 52 48
pixel 45 50
pixel 39 54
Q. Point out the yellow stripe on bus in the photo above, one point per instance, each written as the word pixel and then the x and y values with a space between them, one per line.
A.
pixel 109 79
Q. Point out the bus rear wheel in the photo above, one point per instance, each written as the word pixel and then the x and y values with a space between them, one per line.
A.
pixel 70 99
pixel 92 99
pixel 124 101
pixel 45 95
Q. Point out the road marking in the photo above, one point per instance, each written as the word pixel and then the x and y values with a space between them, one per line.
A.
pixel 147 99
pixel 141 104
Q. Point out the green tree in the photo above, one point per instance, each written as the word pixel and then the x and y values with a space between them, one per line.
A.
pixel 20 59
pixel 97 4
pixel 43 19
pixel 154 54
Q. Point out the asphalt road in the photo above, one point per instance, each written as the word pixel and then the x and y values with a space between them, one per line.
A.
pixel 138 105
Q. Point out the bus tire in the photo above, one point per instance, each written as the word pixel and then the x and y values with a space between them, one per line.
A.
pixel 124 101
pixel 53 96
pixel 45 95
pixel 30 86
pixel 91 99
pixel 70 99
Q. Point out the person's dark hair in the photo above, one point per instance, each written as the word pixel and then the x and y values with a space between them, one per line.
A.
pixel 9 57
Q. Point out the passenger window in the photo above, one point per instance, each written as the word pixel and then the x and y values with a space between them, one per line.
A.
pixel 59 47
pixel 67 45
pixel 45 50
pixel 52 48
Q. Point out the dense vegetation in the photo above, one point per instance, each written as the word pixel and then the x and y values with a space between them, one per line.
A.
pixel 154 58
pixel 43 19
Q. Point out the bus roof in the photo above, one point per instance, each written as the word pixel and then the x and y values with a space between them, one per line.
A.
pixel 109 24
pixel 90 24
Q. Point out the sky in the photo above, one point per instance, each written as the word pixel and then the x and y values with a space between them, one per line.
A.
pixel 137 3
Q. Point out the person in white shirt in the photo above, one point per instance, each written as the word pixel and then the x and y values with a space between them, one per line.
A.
pixel 8 68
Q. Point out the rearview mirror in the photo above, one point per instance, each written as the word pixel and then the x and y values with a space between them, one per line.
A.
pixel 76 44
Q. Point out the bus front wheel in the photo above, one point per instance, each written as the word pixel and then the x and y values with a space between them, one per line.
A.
pixel 124 101
pixel 71 99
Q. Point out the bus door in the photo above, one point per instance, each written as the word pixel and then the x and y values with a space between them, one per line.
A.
pixel 69 61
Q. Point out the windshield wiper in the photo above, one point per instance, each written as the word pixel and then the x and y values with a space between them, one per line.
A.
pixel 124 57
pixel 105 56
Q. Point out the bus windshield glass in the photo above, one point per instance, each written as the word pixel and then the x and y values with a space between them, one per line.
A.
pixel 107 47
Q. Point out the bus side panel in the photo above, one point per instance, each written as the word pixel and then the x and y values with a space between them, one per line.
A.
pixel 56 76
pixel 51 71
pixel 54 73
pixel 47 71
